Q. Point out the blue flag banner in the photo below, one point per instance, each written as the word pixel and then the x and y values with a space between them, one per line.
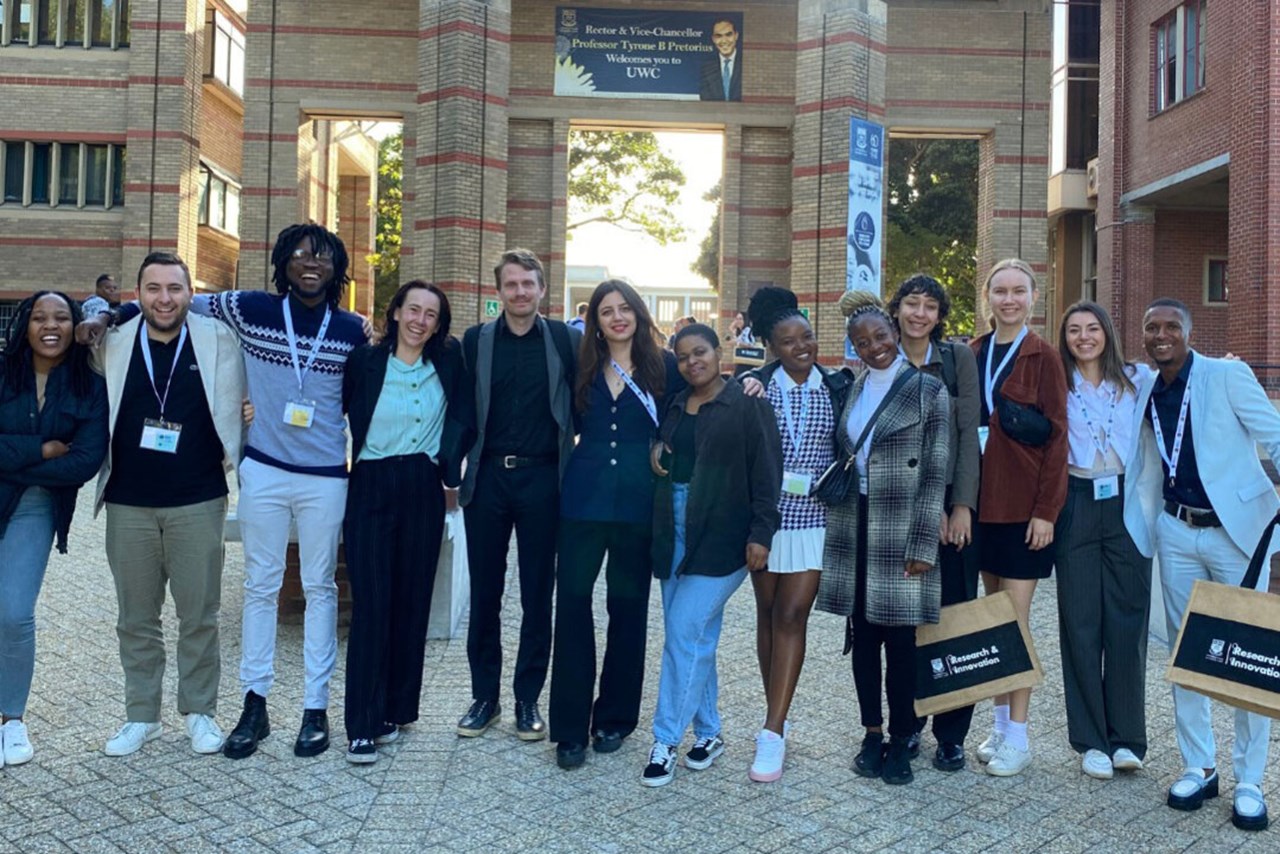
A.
pixel 866 204
pixel 636 53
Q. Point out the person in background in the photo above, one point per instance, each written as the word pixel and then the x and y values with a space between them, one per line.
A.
pixel 606 508
pixel 105 299
pixel 920 308
pixel 580 319
pixel 1104 580
pixel 1024 476
pixel 53 436
pixel 715 511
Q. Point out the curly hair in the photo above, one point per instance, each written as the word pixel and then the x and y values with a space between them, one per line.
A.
pixel 770 306
pixel 928 286
pixel 17 370
pixel 322 239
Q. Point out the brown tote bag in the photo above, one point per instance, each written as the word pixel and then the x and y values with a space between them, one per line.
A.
pixel 1228 647
pixel 977 650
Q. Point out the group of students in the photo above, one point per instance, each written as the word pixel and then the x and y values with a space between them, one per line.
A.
pixel 881 497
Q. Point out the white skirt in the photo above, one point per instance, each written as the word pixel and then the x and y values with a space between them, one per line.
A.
pixel 796 551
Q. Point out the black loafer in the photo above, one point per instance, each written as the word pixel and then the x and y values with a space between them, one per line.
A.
pixel 606 742
pixel 913 745
pixel 870 760
pixel 570 755
pixel 253 727
pixel 479 718
pixel 949 756
pixel 529 724
pixel 896 770
pixel 313 735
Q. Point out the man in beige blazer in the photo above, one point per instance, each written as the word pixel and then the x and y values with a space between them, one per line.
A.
pixel 175 384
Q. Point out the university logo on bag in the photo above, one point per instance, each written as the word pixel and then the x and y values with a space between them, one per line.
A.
pixel 1216 648
pixel 939 668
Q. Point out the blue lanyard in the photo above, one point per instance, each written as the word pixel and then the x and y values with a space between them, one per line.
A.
pixel 145 346
pixel 796 435
pixel 301 371
pixel 647 399
pixel 990 377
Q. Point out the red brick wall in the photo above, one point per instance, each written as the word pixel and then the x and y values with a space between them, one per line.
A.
pixel 221 131
pixel 1182 240
pixel 218 254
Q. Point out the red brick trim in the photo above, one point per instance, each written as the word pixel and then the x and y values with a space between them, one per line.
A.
pixel 917 50
pixel 78 82
pixel 146 243
pixel 259 136
pixel 536 151
pixel 753 211
pixel 62 242
pixel 470 29
pixel 269 191
pixel 157 189
pixel 143 133
pixel 531 38
pixel 362 85
pixel 523 92
pixel 158 25
pixel 1007 213
pixel 784 47
pixel 1031 160
pixel 363 32
pixel 844 102
pixel 761 159
pixel 462 222
pixel 820 233
pixel 147 80
pixel 833 168
pixel 841 38
pixel 258 246
pixel 758 263
pixel 528 205
pixel 965 105
pixel 784 100
pixel 461 157
pixel 461 92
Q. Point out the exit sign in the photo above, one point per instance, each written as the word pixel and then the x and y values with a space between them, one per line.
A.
pixel 491 308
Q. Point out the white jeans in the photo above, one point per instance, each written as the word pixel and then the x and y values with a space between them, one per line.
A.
pixel 270 498
pixel 1187 554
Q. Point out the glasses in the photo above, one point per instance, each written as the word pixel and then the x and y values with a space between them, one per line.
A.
pixel 308 255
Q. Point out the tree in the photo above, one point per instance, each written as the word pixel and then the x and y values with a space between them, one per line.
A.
pixel 386 256
pixel 707 264
pixel 625 180
pixel 933 219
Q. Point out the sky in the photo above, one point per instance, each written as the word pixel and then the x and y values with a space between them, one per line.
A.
pixel 639 257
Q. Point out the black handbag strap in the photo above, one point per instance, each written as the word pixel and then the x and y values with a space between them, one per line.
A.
pixel 888 398
pixel 1251 575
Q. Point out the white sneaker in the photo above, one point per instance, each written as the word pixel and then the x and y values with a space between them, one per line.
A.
pixel 987 750
pixel 16 745
pixel 206 737
pixel 771 750
pixel 1125 759
pixel 1009 761
pixel 131 737
pixel 1097 765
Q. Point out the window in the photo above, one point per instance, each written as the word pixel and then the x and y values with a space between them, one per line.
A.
pixel 1180 53
pixel 1216 284
pixel 224 49
pixel 64 23
pixel 69 175
pixel 15 170
pixel 62 174
pixel 1073 94
pixel 219 201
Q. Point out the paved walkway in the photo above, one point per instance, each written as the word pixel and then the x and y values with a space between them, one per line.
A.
pixel 436 792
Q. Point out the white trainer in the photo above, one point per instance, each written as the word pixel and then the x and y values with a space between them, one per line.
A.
pixel 987 750
pixel 1009 761
pixel 1097 765
pixel 1125 759
pixel 771 750
pixel 16 748
pixel 206 736
pixel 131 737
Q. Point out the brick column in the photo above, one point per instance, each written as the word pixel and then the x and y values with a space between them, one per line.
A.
pixel 840 72
pixel 165 89
pixel 356 223
pixel 455 221
pixel 534 207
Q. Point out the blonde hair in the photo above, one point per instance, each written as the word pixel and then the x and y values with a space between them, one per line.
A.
pixel 1011 264
pixel 854 302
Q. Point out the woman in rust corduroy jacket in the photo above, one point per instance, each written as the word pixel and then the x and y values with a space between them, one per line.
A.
pixel 1023 486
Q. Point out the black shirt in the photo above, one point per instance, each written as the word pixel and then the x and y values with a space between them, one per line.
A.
pixel 683 450
pixel 1001 375
pixel 147 478
pixel 520 419
pixel 1167 399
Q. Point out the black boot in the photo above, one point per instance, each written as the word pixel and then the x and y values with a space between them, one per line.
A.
pixel 870 760
pixel 252 728
pixel 313 737
pixel 897 763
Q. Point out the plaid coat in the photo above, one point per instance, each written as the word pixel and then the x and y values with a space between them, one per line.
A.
pixel 906 481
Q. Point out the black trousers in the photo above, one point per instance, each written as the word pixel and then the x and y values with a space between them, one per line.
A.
pixel 899 644
pixel 959 584
pixel 528 500
pixel 392 532
pixel 583 546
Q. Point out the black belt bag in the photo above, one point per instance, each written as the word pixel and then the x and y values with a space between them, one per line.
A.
pixel 1023 424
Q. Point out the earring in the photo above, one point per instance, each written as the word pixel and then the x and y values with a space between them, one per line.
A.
pixel 599 335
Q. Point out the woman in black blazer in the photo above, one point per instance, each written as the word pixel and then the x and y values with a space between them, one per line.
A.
pixel 405 399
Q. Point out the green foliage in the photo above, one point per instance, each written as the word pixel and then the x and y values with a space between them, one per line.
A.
pixel 625 180
pixel 707 264
pixel 933 220
pixel 386 258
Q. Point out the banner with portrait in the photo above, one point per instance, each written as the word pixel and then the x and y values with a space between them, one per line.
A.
pixel 866 204
pixel 637 53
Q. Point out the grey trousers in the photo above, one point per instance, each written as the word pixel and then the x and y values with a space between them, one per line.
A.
pixel 1104 600
pixel 149 548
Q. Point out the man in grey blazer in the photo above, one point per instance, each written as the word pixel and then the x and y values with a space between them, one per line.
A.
pixel 1198 493
pixel 523 366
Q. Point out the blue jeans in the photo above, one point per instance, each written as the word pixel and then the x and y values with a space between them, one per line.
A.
pixel 693 612
pixel 24 554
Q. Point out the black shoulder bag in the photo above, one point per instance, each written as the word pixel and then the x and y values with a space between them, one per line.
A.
pixel 840 480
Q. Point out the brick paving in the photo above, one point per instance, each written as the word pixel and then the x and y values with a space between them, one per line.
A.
pixel 436 792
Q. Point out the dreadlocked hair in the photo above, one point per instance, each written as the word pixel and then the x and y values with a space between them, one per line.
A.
pixel 855 304
pixel 321 239
pixel 17 371
pixel 770 306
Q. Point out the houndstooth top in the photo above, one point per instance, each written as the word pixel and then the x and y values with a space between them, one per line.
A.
pixel 815 451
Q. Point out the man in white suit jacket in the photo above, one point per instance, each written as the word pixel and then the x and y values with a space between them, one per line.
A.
pixel 1197 493
pixel 175 384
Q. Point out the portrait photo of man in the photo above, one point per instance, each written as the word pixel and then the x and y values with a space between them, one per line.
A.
pixel 721 76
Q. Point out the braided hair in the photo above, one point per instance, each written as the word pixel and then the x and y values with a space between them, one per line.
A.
pixel 321 239
pixel 770 306
pixel 856 304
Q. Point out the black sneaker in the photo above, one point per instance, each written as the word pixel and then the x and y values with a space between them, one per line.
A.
pixel 606 742
pixel 870 760
pixel 570 754
pixel 362 751
pixel 703 753
pixel 529 724
pixel 913 744
pixel 896 770
pixel 388 734
pixel 662 766
pixel 479 718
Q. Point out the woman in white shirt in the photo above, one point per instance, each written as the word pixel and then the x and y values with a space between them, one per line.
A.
pixel 1104 582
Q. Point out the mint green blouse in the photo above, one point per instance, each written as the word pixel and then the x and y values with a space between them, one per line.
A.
pixel 409 416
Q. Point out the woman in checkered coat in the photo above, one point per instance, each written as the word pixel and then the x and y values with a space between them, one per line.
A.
pixel 881 551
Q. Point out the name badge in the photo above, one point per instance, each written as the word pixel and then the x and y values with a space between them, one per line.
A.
pixel 299 413
pixel 797 483
pixel 983 433
pixel 160 436
pixel 1106 487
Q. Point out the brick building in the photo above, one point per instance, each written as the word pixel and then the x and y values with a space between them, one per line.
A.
pixel 484 135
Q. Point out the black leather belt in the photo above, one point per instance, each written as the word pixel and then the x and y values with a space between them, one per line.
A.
pixel 1193 517
pixel 511 461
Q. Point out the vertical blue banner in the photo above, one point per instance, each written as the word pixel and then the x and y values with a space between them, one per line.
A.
pixel 866 206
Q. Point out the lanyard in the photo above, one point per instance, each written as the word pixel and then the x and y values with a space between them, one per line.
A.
pixel 990 377
pixel 145 346
pixel 1171 458
pixel 302 371
pixel 1100 440
pixel 645 397
pixel 796 435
